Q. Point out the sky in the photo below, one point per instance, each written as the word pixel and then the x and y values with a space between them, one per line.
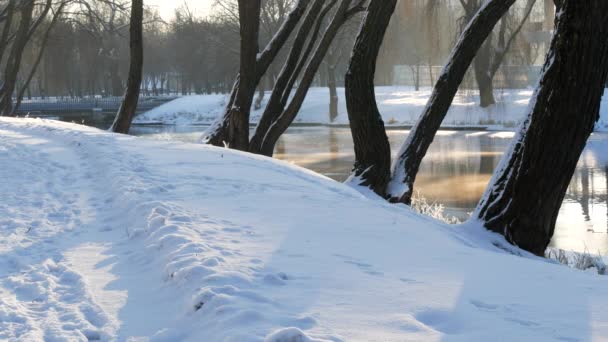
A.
pixel 166 8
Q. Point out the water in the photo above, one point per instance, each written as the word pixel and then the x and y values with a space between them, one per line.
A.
pixel 454 173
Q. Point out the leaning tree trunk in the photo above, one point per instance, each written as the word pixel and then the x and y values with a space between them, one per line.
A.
pixel 524 197
pixel 372 149
pixel 13 64
pixel 291 70
pixel 422 134
pixel 343 13
pixel 126 113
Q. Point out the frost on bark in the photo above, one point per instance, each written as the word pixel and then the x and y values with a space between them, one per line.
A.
pixel 524 197
pixel 126 112
pixel 422 134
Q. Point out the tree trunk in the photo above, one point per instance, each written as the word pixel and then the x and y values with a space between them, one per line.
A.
pixel 422 134
pixel 13 63
pixel 481 68
pixel 372 149
pixel 343 14
pixel 220 132
pixel 524 197
pixel 291 70
pixel 238 118
pixel 126 113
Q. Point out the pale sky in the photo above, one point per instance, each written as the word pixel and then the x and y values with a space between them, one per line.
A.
pixel 166 8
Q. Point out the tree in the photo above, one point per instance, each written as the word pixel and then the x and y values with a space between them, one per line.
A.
pixel 13 62
pixel 126 113
pixel 42 49
pixel 491 55
pixel 232 128
pixel 422 134
pixel 372 150
pixel 345 11
pixel 523 199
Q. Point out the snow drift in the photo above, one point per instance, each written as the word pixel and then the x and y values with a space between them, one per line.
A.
pixel 109 237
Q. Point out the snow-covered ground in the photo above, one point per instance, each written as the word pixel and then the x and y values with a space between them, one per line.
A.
pixel 108 237
pixel 399 106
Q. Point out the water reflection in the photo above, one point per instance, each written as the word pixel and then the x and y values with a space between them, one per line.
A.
pixel 455 172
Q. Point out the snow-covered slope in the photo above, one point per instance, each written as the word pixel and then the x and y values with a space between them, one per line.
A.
pixel 398 105
pixel 120 238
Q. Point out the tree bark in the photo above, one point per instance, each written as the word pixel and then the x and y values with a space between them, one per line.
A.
pixel 524 197
pixel 422 134
pixel 13 63
pixel 126 113
pixel 372 148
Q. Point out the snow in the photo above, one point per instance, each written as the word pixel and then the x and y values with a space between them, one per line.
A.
pixel 118 238
pixel 399 106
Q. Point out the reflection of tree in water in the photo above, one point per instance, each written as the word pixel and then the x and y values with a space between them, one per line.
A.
pixel 280 147
pixel 334 150
pixel 487 160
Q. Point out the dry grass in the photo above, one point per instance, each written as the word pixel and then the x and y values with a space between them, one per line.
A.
pixel 434 210
pixel 581 261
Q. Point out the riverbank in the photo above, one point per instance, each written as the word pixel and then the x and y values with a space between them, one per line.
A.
pixel 108 237
pixel 400 107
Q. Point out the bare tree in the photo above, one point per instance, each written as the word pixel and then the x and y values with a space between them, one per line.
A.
pixel 345 11
pixel 13 62
pixel 126 113
pixel 223 131
pixel 422 134
pixel 372 150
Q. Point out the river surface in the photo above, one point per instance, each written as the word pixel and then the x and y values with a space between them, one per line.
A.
pixel 454 173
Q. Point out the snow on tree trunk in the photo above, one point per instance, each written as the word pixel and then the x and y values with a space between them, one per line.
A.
pixel 413 150
pixel 126 113
pixel 524 197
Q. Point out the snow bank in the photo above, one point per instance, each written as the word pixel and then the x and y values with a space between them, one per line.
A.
pixel 110 237
pixel 399 106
